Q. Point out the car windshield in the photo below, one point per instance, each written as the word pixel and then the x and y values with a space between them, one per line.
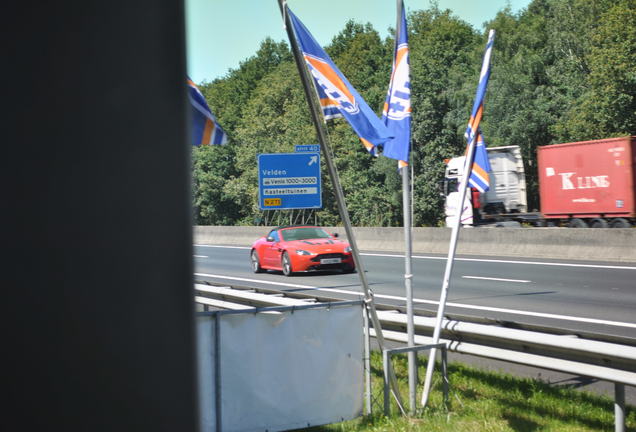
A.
pixel 304 233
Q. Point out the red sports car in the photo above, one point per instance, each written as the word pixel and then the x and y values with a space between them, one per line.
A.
pixel 301 249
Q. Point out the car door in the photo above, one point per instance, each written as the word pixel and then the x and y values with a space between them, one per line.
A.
pixel 271 253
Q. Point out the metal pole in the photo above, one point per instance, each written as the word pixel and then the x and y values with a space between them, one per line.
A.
pixel 408 252
pixel 385 363
pixel 411 162
pixel 619 407
pixel 218 407
pixel 449 266
pixel 408 284
pixel 445 375
pixel 314 109
pixel 367 359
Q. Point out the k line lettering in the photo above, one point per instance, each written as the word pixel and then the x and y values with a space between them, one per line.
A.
pixel 584 182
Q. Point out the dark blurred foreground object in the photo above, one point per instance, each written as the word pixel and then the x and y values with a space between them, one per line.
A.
pixel 97 289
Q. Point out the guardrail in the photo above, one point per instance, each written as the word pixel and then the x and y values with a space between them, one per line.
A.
pixel 601 360
pixel 607 244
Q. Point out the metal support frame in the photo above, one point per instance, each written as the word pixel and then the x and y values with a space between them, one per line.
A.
pixel 619 407
pixel 386 356
pixel 367 361
pixel 217 373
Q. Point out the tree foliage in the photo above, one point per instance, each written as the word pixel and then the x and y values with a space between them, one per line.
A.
pixel 562 70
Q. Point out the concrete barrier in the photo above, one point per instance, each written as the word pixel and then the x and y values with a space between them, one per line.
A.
pixel 615 245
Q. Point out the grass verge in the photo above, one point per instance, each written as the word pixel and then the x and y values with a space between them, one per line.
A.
pixel 485 401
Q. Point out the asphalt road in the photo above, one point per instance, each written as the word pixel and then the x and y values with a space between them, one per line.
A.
pixel 598 297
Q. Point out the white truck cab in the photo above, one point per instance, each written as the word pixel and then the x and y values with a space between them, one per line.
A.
pixel 507 193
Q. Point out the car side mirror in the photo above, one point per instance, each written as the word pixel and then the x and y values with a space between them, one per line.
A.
pixel 335 235
pixel 269 239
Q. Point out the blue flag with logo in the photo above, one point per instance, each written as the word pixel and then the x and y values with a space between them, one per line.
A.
pixel 205 127
pixel 338 97
pixel 397 108
pixel 479 177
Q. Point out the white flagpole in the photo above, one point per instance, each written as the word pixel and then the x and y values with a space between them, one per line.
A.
pixel 468 166
pixel 447 273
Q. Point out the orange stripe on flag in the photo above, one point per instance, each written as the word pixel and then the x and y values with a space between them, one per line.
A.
pixel 331 75
pixel 367 144
pixel 479 171
pixel 207 132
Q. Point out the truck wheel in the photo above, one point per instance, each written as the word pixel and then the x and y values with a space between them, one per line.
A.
pixel 599 223
pixel 620 223
pixel 577 223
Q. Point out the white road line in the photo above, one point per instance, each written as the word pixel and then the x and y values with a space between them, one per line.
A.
pixel 601 266
pixel 496 279
pixel 200 256
pixel 508 261
pixel 225 247
pixel 432 302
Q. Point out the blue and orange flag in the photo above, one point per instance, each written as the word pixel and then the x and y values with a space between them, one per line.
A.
pixel 479 177
pixel 337 96
pixel 205 127
pixel 397 108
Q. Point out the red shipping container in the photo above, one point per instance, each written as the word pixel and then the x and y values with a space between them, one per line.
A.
pixel 588 179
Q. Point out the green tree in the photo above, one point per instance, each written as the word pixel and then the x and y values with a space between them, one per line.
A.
pixel 607 106
pixel 213 166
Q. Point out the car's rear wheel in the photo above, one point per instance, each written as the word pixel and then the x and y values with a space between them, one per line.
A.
pixel 286 264
pixel 256 263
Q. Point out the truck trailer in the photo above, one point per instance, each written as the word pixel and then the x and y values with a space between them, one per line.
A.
pixel 581 184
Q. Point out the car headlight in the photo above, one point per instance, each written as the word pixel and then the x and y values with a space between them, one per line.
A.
pixel 303 252
pixel 347 249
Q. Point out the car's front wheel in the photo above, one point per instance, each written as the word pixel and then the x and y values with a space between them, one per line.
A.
pixel 349 269
pixel 256 264
pixel 286 264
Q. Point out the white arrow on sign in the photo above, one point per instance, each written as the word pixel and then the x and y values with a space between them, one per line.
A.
pixel 312 160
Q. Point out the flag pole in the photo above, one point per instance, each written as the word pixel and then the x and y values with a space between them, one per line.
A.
pixel 468 167
pixel 408 252
pixel 448 271
pixel 408 285
pixel 340 201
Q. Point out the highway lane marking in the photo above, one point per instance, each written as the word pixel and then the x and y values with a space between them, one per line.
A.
pixel 600 266
pixel 509 261
pixel 200 256
pixel 496 279
pixel 432 302
pixel 225 247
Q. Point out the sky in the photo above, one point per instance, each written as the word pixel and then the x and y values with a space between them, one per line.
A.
pixel 222 33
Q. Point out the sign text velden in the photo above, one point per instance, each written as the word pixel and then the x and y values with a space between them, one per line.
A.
pixel 289 181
